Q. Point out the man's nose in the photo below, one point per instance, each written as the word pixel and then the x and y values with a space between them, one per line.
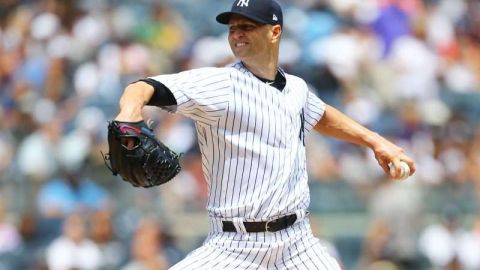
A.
pixel 237 34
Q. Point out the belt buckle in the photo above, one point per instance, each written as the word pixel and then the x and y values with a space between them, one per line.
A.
pixel 267 228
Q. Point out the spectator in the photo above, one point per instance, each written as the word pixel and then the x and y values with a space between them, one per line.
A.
pixel 10 238
pixel 147 249
pixel 469 247
pixel 395 212
pixel 73 249
pixel 103 234
pixel 447 245
pixel 71 193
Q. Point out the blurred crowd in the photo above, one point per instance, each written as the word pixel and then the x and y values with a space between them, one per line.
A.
pixel 408 69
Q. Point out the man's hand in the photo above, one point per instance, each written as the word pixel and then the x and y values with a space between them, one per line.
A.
pixel 386 152
pixel 137 156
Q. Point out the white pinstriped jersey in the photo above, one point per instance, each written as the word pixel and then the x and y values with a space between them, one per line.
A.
pixel 251 137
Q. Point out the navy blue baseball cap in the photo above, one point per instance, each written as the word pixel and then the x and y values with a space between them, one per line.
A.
pixel 262 11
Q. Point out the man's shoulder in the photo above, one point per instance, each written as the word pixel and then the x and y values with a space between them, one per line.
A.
pixel 208 71
pixel 294 79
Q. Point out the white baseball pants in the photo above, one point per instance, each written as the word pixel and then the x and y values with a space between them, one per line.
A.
pixel 292 248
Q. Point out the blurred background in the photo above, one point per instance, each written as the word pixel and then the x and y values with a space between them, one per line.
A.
pixel 408 69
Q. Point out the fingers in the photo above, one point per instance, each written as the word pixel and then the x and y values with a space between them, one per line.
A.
pixel 398 167
pixel 396 173
pixel 384 164
pixel 388 153
pixel 411 164
pixel 128 143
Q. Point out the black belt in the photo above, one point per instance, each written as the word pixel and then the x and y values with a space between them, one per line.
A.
pixel 263 226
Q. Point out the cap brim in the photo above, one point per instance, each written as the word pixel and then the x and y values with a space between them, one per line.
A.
pixel 224 18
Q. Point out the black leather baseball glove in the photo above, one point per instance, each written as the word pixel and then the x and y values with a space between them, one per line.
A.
pixel 137 156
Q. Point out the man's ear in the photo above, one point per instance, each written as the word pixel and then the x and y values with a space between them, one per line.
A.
pixel 276 32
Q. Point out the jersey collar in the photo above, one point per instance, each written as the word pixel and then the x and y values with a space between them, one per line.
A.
pixel 279 82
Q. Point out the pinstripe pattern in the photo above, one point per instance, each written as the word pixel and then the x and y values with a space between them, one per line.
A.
pixel 251 138
pixel 292 248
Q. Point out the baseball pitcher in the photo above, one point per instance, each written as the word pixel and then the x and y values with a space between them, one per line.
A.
pixel 251 119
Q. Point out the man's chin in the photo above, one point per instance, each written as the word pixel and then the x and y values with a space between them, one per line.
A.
pixel 242 57
pixel 241 53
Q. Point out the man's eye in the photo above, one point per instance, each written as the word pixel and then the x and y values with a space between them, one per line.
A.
pixel 244 28
pixel 250 27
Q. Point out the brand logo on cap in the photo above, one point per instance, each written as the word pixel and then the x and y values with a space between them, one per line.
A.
pixel 242 3
pixel 275 17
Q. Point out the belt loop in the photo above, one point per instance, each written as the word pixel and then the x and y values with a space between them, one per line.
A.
pixel 238 223
pixel 301 213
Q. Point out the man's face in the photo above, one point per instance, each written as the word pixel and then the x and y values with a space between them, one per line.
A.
pixel 248 39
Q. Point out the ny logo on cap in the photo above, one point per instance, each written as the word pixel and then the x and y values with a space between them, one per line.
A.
pixel 275 17
pixel 242 3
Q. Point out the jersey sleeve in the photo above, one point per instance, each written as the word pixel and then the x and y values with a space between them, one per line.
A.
pixel 201 94
pixel 314 109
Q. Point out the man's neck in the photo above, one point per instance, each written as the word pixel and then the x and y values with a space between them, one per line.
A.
pixel 279 81
pixel 267 70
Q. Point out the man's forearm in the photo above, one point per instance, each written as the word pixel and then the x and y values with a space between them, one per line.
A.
pixel 133 100
pixel 337 125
